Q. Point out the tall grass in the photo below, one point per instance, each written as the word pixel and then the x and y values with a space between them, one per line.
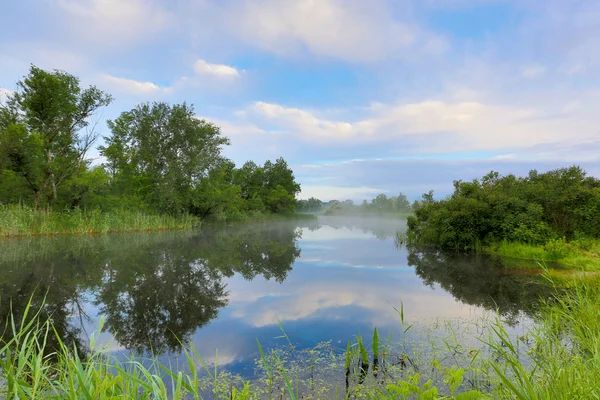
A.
pixel 558 359
pixel 564 352
pixel 580 254
pixel 18 220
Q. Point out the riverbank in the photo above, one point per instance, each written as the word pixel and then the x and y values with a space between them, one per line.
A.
pixel 583 255
pixel 20 221
pixel 556 359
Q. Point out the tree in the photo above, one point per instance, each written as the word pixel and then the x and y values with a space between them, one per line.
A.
pixel 45 130
pixel 311 205
pixel 279 174
pixel 401 203
pixel 559 204
pixel 381 203
pixel 162 153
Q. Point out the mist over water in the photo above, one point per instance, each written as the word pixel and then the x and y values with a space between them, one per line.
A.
pixel 224 287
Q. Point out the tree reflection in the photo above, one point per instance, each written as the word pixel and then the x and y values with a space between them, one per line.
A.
pixel 154 290
pixel 156 298
pixel 47 286
pixel 381 228
pixel 479 280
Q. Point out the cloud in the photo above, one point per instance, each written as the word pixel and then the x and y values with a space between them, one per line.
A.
pixel 414 177
pixel 350 30
pixel 131 86
pixel 202 67
pixel 437 126
pixel 114 21
pixel 301 121
pixel 533 71
pixel 4 94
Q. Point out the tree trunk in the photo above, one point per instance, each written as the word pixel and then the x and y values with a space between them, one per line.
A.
pixel 37 199
pixel 51 177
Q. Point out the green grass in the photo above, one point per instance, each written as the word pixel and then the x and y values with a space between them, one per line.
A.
pixel 24 221
pixel 557 359
pixel 581 254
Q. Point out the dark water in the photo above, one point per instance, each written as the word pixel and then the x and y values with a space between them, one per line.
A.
pixel 224 287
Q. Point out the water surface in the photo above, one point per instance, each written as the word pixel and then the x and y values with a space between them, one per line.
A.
pixel 224 287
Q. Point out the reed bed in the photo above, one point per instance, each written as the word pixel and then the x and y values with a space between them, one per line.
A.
pixel 18 220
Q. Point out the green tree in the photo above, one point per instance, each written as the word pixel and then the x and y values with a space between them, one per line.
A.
pixel 562 203
pixel 278 176
pixel 311 205
pixel 45 130
pixel 401 203
pixel 162 153
pixel 381 203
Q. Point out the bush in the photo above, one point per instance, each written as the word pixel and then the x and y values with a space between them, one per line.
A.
pixel 536 209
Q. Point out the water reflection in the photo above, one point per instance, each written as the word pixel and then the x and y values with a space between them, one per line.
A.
pixel 155 290
pixel 480 280
pixel 324 279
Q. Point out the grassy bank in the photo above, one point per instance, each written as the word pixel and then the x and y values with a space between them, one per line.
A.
pixel 557 359
pixel 578 254
pixel 24 221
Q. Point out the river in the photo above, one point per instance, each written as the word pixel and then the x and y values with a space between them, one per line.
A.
pixel 225 287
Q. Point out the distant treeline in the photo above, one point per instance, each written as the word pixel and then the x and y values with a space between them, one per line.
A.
pixel 158 158
pixel 551 209
pixel 382 204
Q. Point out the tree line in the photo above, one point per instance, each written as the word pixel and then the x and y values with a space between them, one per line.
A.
pixel 380 204
pixel 158 157
pixel 562 204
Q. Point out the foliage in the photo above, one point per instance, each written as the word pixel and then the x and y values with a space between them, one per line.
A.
pixel 45 132
pixel 539 209
pixel 381 204
pixel 169 159
pixel 18 220
pixel 162 153
pixel 310 205
pixel 579 254
pixel 160 158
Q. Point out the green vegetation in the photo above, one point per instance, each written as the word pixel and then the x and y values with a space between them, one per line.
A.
pixel 25 221
pixel 558 359
pixel 160 159
pixel 398 206
pixel 577 254
pixel 551 216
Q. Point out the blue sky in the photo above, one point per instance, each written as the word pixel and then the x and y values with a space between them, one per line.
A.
pixel 360 96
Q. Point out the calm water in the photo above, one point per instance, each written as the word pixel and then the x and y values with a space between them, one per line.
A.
pixel 226 286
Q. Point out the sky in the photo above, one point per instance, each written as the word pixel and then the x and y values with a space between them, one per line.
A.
pixel 359 96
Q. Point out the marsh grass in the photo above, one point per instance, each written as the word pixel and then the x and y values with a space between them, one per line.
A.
pixel 582 254
pixel 18 220
pixel 558 358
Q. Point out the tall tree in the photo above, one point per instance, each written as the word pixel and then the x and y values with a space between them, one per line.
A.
pixel 162 153
pixel 46 129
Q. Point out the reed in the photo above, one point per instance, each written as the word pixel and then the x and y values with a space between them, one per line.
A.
pixel 18 221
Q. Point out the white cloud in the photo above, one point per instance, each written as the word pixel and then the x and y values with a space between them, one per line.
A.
pixel 115 21
pixel 4 94
pixel 438 126
pixel 202 67
pixel 352 30
pixel 533 71
pixel 131 86
pixel 505 156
